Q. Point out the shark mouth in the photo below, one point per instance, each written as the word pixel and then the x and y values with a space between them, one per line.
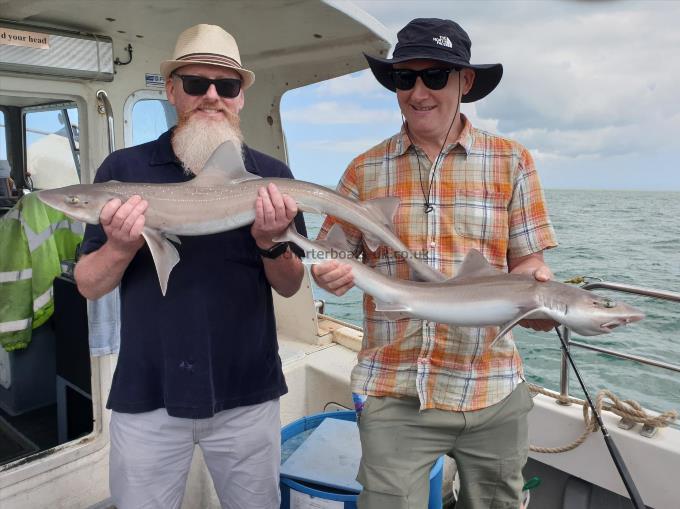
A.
pixel 609 326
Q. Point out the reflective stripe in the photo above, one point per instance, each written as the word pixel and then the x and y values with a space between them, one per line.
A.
pixel 43 299
pixel 16 275
pixel 13 214
pixel 16 325
pixel 35 240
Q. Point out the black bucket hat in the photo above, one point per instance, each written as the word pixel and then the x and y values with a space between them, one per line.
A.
pixel 436 39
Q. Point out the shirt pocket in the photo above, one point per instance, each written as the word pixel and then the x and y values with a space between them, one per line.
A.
pixel 480 214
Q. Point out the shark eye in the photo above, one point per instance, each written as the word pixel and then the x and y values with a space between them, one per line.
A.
pixel 608 303
pixel 73 200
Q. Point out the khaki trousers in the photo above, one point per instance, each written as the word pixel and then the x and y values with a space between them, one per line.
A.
pixel 151 455
pixel 400 444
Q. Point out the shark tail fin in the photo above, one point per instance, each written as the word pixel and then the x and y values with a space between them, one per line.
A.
pixel 336 244
pixel 381 210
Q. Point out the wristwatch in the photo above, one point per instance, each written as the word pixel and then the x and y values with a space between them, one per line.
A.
pixel 273 252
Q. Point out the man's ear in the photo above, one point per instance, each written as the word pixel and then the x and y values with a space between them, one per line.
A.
pixel 170 89
pixel 468 79
pixel 240 101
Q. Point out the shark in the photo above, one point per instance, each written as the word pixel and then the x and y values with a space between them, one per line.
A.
pixel 222 197
pixel 479 295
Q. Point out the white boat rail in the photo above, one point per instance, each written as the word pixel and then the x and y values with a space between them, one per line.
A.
pixel 617 287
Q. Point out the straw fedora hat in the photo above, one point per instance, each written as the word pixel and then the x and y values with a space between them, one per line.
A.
pixel 207 44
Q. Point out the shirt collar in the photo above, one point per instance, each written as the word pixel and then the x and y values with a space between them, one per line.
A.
pixel 465 139
pixel 163 152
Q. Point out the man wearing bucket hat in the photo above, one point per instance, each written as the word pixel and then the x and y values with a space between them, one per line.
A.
pixel 433 389
pixel 199 365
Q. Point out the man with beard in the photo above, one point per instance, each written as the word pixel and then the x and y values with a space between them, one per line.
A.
pixel 200 365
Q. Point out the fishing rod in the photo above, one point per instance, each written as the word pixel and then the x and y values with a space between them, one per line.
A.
pixel 633 492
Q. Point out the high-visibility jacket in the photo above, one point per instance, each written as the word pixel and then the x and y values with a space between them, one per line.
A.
pixel 34 240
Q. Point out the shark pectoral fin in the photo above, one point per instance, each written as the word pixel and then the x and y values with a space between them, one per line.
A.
pixel 164 254
pixel 392 311
pixel 506 328
pixel 173 238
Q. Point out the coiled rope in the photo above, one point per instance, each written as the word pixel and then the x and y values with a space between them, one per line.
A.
pixel 628 409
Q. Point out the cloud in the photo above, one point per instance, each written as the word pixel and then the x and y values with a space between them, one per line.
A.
pixel 332 112
pixel 599 78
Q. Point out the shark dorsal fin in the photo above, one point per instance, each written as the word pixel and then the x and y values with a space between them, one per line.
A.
pixel 381 210
pixel 224 167
pixel 475 264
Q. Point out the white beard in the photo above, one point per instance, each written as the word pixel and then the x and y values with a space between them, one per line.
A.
pixel 195 139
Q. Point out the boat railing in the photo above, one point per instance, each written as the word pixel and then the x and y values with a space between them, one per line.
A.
pixel 617 287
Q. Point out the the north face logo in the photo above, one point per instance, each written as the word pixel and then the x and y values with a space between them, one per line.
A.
pixel 442 40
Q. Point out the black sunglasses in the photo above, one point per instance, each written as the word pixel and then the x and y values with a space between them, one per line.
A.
pixel 433 78
pixel 198 85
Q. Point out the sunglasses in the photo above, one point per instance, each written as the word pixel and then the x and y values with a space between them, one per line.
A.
pixel 434 79
pixel 198 85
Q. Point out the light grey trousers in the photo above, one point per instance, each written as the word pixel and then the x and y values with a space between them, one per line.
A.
pixel 400 444
pixel 151 455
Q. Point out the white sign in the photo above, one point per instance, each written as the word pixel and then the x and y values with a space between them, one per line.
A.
pixel 154 80
pixel 10 37
pixel 300 500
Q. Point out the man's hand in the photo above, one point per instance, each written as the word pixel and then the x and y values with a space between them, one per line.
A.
pixel 123 223
pixel 535 266
pixel 334 277
pixel 273 213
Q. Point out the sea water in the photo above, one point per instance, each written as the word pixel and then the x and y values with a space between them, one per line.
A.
pixel 628 237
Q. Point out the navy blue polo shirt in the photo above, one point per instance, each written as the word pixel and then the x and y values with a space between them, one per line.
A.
pixel 210 343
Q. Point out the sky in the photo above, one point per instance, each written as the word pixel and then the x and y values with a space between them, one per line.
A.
pixel 589 87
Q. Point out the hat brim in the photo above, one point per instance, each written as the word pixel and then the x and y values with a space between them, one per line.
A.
pixel 169 66
pixel 487 76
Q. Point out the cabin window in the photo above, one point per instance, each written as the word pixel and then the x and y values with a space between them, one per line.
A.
pixel 52 146
pixel 150 119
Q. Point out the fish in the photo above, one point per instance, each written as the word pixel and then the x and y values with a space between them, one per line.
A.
pixel 222 197
pixel 479 295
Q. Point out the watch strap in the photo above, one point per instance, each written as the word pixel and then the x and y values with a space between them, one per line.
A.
pixel 273 252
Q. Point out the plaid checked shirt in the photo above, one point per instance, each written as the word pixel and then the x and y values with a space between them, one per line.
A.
pixel 486 195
